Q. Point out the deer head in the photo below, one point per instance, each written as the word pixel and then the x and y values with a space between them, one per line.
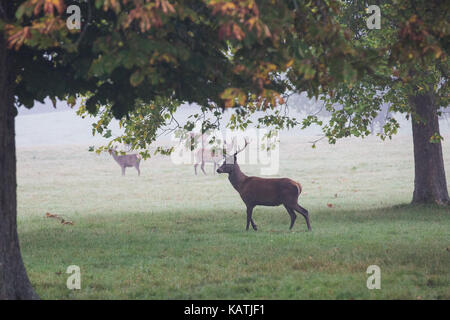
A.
pixel 230 162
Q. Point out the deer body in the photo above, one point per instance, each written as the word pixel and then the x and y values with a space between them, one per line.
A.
pixel 206 155
pixel 256 191
pixel 126 161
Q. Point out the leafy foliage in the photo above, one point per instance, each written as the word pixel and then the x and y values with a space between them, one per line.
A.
pixel 222 54
pixel 412 43
pixel 140 126
pixel 216 53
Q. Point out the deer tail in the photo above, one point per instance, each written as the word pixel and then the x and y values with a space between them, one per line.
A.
pixel 299 187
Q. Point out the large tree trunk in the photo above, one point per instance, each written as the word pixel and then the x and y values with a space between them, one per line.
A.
pixel 430 184
pixel 14 283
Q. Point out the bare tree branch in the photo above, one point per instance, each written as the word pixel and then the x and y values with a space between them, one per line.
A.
pixel 317 140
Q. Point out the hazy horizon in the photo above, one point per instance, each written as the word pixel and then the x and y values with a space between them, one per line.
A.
pixel 45 125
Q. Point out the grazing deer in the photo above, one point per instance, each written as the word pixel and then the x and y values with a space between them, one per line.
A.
pixel 127 160
pixel 256 191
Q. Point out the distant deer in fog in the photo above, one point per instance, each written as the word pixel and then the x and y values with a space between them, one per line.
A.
pixel 256 191
pixel 127 160
pixel 211 155
pixel 204 155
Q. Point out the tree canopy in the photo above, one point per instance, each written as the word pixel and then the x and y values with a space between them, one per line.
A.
pixel 214 53
pixel 413 40
pixel 354 70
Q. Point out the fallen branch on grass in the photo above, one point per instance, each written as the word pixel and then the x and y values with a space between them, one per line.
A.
pixel 61 219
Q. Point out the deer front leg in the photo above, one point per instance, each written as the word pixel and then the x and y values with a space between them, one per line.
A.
pixel 203 167
pixel 123 170
pixel 249 218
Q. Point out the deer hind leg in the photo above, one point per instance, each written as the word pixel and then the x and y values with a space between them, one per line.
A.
pixel 137 168
pixel 292 214
pixel 215 165
pixel 195 168
pixel 304 213
pixel 203 167
pixel 123 170
pixel 250 219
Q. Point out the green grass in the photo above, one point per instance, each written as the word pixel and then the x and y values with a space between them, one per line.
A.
pixel 172 235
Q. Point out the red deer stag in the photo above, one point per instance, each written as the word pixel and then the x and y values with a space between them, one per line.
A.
pixel 256 191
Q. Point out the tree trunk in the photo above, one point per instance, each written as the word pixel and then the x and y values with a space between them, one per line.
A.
pixel 430 184
pixel 14 282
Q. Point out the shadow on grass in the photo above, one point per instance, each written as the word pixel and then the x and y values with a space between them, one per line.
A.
pixel 400 212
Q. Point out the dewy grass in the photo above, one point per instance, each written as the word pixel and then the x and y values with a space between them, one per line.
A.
pixel 169 234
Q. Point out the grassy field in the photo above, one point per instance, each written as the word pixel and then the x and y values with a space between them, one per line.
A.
pixel 172 235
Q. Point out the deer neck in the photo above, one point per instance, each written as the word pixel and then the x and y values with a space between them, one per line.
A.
pixel 115 156
pixel 237 177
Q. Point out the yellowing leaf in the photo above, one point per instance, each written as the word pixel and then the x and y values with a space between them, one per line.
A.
pixel 290 63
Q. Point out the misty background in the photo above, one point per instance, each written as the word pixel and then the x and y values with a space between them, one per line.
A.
pixel 45 125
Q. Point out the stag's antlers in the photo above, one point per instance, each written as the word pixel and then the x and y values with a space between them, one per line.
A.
pixel 240 150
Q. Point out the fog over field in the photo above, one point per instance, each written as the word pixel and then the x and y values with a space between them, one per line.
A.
pixel 44 125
